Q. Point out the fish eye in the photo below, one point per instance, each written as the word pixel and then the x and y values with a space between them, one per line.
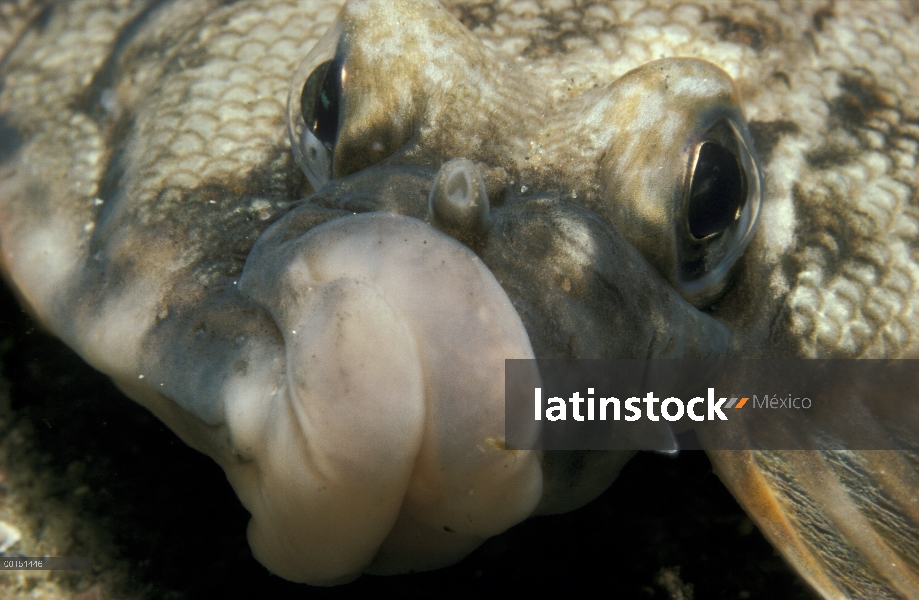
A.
pixel 315 107
pixel 721 199
pixel 348 107
pixel 682 183
pixel 320 101
pixel 717 192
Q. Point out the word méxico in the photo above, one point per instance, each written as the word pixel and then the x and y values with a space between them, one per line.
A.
pixel 672 409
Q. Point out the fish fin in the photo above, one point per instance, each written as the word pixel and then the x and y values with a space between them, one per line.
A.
pixel 847 521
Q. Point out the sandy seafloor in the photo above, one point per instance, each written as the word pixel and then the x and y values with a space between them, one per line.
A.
pixel 86 471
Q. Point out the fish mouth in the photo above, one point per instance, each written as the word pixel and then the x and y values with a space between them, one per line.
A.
pixel 396 295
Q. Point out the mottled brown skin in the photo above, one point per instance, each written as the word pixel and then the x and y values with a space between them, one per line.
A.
pixel 143 151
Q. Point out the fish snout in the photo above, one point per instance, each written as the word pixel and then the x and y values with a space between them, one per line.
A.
pixel 386 431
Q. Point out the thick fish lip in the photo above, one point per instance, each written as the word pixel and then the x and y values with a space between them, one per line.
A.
pixel 389 373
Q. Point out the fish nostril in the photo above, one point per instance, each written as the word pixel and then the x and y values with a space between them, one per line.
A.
pixel 458 188
pixel 458 201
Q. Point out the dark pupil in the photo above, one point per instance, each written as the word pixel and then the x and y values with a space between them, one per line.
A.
pixel 718 191
pixel 320 101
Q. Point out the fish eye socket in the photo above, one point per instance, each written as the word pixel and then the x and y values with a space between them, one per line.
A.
pixel 320 101
pixel 718 191
pixel 682 183
pixel 341 115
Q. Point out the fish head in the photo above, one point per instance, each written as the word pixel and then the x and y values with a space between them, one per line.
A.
pixel 308 238
pixel 639 218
